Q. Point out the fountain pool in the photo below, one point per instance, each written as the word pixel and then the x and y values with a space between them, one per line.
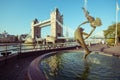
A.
pixel 72 66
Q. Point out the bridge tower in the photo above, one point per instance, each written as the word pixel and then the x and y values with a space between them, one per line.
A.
pixel 36 30
pixel 55 22
pixel 56 28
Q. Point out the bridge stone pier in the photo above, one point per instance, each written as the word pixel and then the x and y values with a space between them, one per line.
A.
pixel 55 22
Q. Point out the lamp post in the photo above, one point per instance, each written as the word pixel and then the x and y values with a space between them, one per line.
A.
pixel 116 30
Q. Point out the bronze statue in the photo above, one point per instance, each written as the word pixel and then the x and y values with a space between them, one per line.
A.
pixel 79 31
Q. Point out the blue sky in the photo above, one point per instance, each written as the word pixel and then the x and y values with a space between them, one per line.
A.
pixel 16 15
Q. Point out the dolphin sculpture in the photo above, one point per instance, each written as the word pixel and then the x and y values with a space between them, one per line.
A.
pixel 79 31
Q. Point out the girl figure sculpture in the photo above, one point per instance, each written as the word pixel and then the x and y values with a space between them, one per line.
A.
pixel 79 31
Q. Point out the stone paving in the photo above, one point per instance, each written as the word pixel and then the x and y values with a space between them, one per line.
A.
pixel 113 50
pixel 15 70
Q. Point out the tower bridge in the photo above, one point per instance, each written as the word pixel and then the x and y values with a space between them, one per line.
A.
pixel 55 22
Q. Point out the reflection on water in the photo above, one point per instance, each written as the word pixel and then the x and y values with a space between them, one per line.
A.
pixel 86 71
pixel 71 66
pixel 53 64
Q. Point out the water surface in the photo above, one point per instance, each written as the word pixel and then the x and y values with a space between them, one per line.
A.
pixel 71 66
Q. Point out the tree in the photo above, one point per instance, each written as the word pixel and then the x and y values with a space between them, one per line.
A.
pixel 110 32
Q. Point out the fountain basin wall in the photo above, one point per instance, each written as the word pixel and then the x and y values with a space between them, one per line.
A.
pixel 105 64
pixel 98 67
pixel 34 73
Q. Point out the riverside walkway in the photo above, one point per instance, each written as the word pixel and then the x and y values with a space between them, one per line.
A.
pixel 14 66
pixel 16 70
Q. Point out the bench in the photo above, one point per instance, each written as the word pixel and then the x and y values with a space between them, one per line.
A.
pixel 5 53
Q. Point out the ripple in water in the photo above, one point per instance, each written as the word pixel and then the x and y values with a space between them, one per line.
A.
pixel 71 66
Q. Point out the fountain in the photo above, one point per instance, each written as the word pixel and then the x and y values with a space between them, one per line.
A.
pixel 69 64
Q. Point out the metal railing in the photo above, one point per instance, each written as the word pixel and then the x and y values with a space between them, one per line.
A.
pixel 8 49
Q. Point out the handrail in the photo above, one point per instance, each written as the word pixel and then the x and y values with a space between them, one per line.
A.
pixel 19 48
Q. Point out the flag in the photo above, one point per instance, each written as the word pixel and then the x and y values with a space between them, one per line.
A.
pixel 117 7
